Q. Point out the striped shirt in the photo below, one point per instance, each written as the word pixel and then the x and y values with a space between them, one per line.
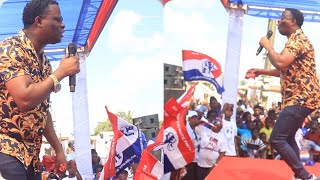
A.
pixel 253 146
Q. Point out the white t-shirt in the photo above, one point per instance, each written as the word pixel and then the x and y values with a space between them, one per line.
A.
pixel 195 140
pixel 298 137
pixel 229 129
pixel 211 144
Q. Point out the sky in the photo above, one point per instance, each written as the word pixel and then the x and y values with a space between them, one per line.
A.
pixel 125 67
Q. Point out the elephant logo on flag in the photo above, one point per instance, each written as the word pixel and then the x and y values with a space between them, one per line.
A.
pixel 170 140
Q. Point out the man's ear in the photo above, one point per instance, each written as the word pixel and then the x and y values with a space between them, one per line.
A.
pixel 38 21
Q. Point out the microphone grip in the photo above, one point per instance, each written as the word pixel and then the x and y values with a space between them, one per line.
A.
pixel 72 50
pixel 259 50
pixel 269 34
pixel 72 83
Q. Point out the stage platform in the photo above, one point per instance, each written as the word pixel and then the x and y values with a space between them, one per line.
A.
pixel 233 168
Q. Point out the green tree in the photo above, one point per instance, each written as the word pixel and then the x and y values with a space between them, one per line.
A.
pixel 126 116
pixel 106 126
pixel 103 126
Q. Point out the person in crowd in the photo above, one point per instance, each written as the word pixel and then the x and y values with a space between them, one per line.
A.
pixel 26 82
pixel 204 101
pixel 239 121
pixel 246 117
pixel 263 138
pixel 259 124
pixel 245 134
pixel 255 146
pixel 70 149
pixel 215 105
pixel 123 175
pixel 212 148
pixel 267 129
pixel 192 123
pixel 258 113
pixel 305 145
pixel 272 115
pixel 95 160
pixel 314 132
pixel 211 116
pixel 73 173
pixel 229 129
pixel 201 112
pixel 296 67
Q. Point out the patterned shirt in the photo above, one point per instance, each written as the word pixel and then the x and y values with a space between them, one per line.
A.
pixel 299 82
pixel 21 131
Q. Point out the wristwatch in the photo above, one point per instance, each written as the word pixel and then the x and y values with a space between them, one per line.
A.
pixel 56 83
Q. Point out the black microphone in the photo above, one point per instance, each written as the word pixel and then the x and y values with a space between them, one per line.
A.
pixel 269 34
pixel 72 50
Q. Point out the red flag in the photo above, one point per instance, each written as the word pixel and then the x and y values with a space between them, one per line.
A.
pixel 185 97
pixel 164 2
pixel 109 167
pixel 225 3
pixel 149 168
pixel 177 144
pixel 183 151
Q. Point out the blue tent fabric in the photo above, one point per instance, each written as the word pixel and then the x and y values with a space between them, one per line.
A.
pixel 78 16
pixel 274 8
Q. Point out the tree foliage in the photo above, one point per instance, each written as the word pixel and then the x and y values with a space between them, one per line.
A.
pixel 106 126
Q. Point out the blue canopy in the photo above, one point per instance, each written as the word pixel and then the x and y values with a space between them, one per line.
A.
pixel 274 8
pixel 78 15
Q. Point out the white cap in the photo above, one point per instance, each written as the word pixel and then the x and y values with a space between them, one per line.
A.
pixel 192 113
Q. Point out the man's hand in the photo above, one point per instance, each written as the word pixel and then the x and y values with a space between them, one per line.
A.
pixel 265 42
pixel 68 66
pixel 252 73
pixel 61 164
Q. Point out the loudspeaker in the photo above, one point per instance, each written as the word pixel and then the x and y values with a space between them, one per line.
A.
pixel 150 133
pixel 146 122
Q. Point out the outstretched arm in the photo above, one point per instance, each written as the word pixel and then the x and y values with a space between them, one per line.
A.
pixel 253 73
pixel 53 140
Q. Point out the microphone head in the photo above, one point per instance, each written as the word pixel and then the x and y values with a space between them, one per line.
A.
pixel 72 48
pixel 269 34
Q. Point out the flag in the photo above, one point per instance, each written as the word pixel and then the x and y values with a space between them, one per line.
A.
pixel 177 145
pixel 149 168
pixel 172 138
pixel 198 66
pixel 186 96
pixel 126 146
pixel 225 3
pixel 164 2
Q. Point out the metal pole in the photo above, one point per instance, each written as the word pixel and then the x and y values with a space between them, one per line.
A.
pixel 272 25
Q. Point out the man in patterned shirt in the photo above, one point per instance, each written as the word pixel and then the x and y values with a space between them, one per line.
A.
pixel 295 66
pixel 26 82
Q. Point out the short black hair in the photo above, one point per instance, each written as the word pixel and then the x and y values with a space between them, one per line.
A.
pixel 212 112
pixel 33 9
pixel 257 106
pixel 297 15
